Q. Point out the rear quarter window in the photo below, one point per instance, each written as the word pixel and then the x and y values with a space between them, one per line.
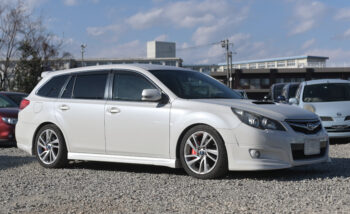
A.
pixel 52 88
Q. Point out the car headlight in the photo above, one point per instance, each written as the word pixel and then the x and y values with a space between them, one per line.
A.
pixel 9 120
pixel 257 121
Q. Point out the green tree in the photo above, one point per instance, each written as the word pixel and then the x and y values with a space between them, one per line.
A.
pixel 28 69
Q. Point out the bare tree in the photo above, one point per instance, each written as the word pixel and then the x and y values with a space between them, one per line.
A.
pixel 11 25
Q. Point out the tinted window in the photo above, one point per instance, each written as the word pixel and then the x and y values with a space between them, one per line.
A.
pixel 292 90
pixel 277 91
pixel 194 85
pixel 91 86
pixel 129 86
pixel 67 93
pixel 53 87
pixel 17 98
pixel 6 103
pixel 328 92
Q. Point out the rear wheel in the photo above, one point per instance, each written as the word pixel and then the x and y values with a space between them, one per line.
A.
pixel 203 153
pixel 50 147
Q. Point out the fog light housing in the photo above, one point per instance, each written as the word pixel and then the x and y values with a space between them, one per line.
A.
pixel 254 153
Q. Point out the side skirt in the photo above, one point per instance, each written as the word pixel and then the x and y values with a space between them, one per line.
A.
pixel 123 159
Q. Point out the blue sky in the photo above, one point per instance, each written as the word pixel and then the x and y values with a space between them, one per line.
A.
pixel 258 29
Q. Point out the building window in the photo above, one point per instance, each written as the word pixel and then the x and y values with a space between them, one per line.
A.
pixel 271 64
pixel 243 66
pixel 291 63
pixel 281 63
pixel 261 65
pixel 252 65
pixel 255 83
pixel 244 83
pixel 265 82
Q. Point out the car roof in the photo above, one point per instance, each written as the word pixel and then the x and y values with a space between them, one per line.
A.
pixel 116 66
pixel 320 81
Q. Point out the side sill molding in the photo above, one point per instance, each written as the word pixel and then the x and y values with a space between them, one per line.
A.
pixel 123 159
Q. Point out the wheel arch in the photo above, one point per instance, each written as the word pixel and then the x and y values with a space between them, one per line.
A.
pixel 178 143
pixel 37 130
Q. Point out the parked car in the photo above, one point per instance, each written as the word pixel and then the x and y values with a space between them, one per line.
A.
pixel 163 115
pixel 289 91
pixel 16 97
pixel 242 93
pixel 330 99
pixel 8 120
pixel 275 92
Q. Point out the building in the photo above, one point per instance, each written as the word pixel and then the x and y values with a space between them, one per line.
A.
pixel 157 49
pixel 282 62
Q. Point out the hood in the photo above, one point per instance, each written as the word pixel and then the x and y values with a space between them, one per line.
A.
pixel 9 112
pixel 274 111
pixel 332 109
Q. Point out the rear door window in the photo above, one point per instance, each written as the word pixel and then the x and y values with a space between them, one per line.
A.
pixel 53 87
pixel 90 86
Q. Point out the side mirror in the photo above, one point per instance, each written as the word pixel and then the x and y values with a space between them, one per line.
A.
pixel 281 98
pixel 293 101
pixel 152 95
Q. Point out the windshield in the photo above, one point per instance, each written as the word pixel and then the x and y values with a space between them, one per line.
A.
pixel 6 103
pixel 194 85
pixel 328 92
pixel 277 91
pixel 16 98
pixel 293 90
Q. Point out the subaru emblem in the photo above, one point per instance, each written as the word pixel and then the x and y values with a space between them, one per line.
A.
pixel 338 114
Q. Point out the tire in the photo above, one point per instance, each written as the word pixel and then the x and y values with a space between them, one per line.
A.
pixel 50 147
pixel 207 159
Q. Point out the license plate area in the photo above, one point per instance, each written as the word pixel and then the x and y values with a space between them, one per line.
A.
pixel 312 147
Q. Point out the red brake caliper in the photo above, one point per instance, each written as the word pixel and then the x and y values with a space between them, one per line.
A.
pixel 193 152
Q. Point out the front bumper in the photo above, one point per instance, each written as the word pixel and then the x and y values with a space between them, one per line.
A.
pixel 278 149
pixel 339 128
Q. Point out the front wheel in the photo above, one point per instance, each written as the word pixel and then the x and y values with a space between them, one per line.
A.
pixel 50 147
pixel 203 153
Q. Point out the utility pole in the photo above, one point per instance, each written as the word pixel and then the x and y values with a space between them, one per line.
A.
pixel 226 44
pixel 83 46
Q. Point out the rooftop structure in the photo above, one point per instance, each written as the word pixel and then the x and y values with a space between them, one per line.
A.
pixel 157 49
pixel 281 62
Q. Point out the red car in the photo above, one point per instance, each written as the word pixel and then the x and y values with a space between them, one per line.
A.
pixel 8 119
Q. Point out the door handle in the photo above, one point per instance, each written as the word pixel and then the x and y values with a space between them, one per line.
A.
pixel 64 107
pixel 114 110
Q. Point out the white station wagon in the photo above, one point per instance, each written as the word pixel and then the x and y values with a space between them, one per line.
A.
pixel 167 116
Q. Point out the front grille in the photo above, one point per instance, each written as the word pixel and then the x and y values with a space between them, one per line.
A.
pixel 338 128
pixel 305 126
pixel 324 118
pixel 298 151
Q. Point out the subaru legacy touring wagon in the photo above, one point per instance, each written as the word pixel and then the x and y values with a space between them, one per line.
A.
pixel 166 116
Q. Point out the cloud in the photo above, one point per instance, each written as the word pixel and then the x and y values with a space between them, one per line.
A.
pixel 144 20
pixel 70 2
pixel 308 43
pixel 306 16
pixel 343 13
pixel 337 57
pixel 133 49
pixel 162 37
pixel 98 31
pixel 184 14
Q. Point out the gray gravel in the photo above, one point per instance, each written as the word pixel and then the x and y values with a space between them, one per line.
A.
pixel 92 187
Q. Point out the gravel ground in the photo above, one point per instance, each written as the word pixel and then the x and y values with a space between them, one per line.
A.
pixel 92 187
